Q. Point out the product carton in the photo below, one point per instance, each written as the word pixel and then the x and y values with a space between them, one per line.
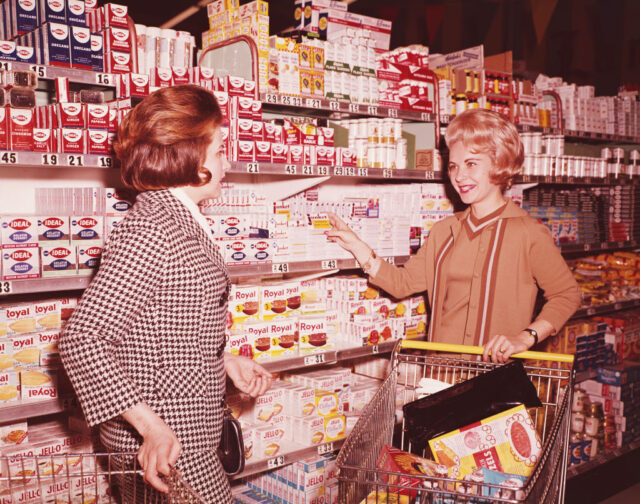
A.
pixel 268 440
pixel 13 433
pixel 55 44
pixel 268 406
pixel 72 140
pixel 334 427
pixel 80 47
pixel 308 430
pixel 97 53
pixel 9 387
pixel 58 260
pixel 279 299
pixel 87 230
pixel 89 258
pixel 21 123
pixel 39 384
pixel 244 303
pixel 76 16
pixel 20 263
pixel 258 337
pixel 283 338
pixel 25 352
pixel 18 232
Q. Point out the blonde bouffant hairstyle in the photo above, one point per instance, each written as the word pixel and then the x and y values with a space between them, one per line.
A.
pixel 490 133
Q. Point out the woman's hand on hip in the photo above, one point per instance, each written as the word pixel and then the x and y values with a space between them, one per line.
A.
pixel 248 376
pixel 500 348
pixel 160 447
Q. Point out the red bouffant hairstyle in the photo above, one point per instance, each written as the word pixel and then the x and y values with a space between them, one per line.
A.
pixel 492 134
pixel 163 141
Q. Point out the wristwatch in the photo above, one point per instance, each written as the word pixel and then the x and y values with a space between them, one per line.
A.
pixel 366 267
pixel 533 333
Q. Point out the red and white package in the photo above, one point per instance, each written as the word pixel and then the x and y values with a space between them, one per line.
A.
pixel 239 106
pixel 258 130
pixel 98 142
pixel 242 129
pixel 326 155
pixel 256 110
pixel 296 154
pixel 250 89
pixel 235 85
pixel 326 136
pixel 62 89
pixel 310 155
pixel 345 157
pixel 223 102
pixel 115 15
pixel 113 119
pixel 179 76
pixel 4 129
pixel 70 115
pixel 116 39
pixel 198 75
pixel 96 116
pixel 263 151
pixel 245 150
pixel 72 140
pixel 161 77
pixel 279 153
pixel 21 123
pixel 118 62
pixel 44 140
pixel 132 84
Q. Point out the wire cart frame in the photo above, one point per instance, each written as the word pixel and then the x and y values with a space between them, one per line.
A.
pixel 85 478
pixel 359 476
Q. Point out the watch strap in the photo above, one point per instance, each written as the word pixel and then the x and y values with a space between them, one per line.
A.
pixel 533 333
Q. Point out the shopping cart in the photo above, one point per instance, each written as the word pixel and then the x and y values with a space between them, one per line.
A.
pixel 85 478
pixel 359 476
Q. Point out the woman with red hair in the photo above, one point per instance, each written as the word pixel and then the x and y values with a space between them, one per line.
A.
pixel 482 267
pixel 145 347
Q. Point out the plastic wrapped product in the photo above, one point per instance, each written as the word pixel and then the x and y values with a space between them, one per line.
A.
pixel 21 78
pixel 22 98
pixel 89 96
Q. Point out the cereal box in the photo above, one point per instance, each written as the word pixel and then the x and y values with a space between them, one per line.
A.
pixel 506 442
pixel 89 259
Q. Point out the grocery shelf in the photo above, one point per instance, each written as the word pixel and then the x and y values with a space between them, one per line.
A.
pixel 102 79
pixel 55 160
pixel 597 247
pixel 602 458
pixel 44 285
pixel 323 106
pixel 21 410
pixel 292 452
pixel 586 375
pixel 365 351
pixel 606 308
pixel 333 171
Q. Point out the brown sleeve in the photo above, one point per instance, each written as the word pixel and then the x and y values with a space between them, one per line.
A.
pixel 554 277
pixel 402 281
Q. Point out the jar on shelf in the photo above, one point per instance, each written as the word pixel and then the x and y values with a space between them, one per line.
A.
pixel 593 419
pixel 579 399
pixel 610 442
pixel 461 103
pixel 575 448
pixel 577 421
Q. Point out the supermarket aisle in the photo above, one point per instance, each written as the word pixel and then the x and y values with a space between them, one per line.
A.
pixel 629 496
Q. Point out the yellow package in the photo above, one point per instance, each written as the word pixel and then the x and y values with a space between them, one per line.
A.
pixel 334 427
pixel 326 403
pixel 380 497
pixel 506 442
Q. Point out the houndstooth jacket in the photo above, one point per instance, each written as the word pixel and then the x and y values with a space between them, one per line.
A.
pixel 150 327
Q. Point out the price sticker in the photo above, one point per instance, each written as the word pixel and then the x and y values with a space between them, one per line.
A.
pixel 620 244
pixel 375 349
pixel 75 160
pixel 591 311
pixel 296 101
pixel 280 268
pixel 253 168
pixel 587 247
pixel 105 162
pixel 275 462
pixel 363 172
pixel 9 158
pixel 313 103
pixel 349 171
pixel 617 306
pixel 50 159
pixel 392 112
pixel 323 170
pixel 334 105
pixel 526 178
pixel 387 173
pixel 548 179
pixel 290 169
pixel 371 110
pixel 390 259
pixel 104 79
pixel 285 100
pixel 425 117
pixel 323 449
pixel 41 71
pixel 329 264
pixel 354 107
pixel 271 98
pixel 312 360
pixel 307 170
pixel 6 288
pixel 338 171
pixel 5 65
pixel 430 175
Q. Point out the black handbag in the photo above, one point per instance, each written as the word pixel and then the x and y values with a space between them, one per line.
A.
pixel 231 448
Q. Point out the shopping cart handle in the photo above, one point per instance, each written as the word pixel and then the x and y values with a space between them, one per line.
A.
pixel 478 350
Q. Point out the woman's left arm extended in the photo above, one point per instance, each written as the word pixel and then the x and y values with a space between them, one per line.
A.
pixel 248 376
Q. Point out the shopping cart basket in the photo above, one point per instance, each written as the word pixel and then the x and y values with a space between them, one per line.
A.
pixel 85 478
pixel 359 476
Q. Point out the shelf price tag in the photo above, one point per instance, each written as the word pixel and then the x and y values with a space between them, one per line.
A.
pixel 280 268
pixel 307 170
pixel 430 175
pixel 294 101
pixel 323 449
pixel 338 171
pixel 587 247
pixel 104 79
pixel 334 105
pixel 275 462
pixel 375 349
pixel 354 107
pixel 75 160
pixel 40 70
pixel 363 172
pixel 591 311
pixel 313 103
pixel 371 110
pixel 50 159
pixel 349 171
pixel 323 170
pixel 253 168
pixel 10 158
pixel 6 288
pixel 290 169
pixel 105 162
pixel 5 65
pixel 312 360
pixel 392 113
pixel 425 117
pixel 329 264
pixel 271 98
pixel 387 173
pixel 390 260
pixel 617 306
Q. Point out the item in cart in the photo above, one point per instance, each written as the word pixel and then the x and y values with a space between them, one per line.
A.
pixel 395 460
pixel 380 497
pixel 506 442
pixel 511 484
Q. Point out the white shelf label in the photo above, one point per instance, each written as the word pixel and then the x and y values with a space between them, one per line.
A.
pixel 587 247
pixel 275 462
pixel 253 168
pixel 271 98
pixel 75 160
pixel 294 101
pixel 290 169
pixel 349 171
pixel 617 306
pixel 323 449
pixel 311 360
pixel 375 349
pixel 392 112
pixel 363 172
pixel 50 159
pixel 424 116
pixel 338 171
pixel 9 158
pixel 390 259
pixel 5 65
pixel 371 110
pixel 307 170
pixel 104 78
pixel 313 103
pixel 387 173
pixel 429 175
pixel 354 107
pixel 105 162
pixel 6 288
pixel 323 170
pixel 330 264
pixel 591 311
pixel 334 105
pixel 280 268
pixel 40 70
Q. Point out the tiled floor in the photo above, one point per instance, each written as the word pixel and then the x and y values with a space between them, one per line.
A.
pixel 629 496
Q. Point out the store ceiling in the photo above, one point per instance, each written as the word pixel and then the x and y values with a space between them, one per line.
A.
pixel 583 41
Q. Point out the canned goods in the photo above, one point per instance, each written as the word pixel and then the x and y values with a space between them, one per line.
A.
pixel 577 421
pixel 362 128
pixel 528 164
pixel 575 449
pixel 601 168
pixel 587 448
pixel 536 143
pixel 579 398
pixel 361 152
pixel 591 425
pixel 461 103
pixel 401 154
pixel 397 129
pixel 618 155
pixel 390 156
pixel 526 142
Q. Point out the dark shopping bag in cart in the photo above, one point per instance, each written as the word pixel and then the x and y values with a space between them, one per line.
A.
pixel 468 402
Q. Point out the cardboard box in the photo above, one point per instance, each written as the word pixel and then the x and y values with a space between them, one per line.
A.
pixel 89 258
pixel 20 263
pixel 80 46
pixel 18 232
pixel 21 123
pixel 58 260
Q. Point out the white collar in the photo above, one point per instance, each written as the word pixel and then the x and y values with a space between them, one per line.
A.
pixel 193 209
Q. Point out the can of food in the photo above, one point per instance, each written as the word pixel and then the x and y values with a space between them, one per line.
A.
pixel 388 128
pixel 591 425
pixel 372 153
pixel 601 168
pixel 362 128
pixel 544 165
pixel 547 145
pixel 397 129
pixel 401 154
pixel 575 448
pixel 390 156
pixel 361 152
pixel 461 103
pixel 536 143
pixel 577 421
pixel 587 447
pixel 618 155
pixel 528 164
pixel 579 398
